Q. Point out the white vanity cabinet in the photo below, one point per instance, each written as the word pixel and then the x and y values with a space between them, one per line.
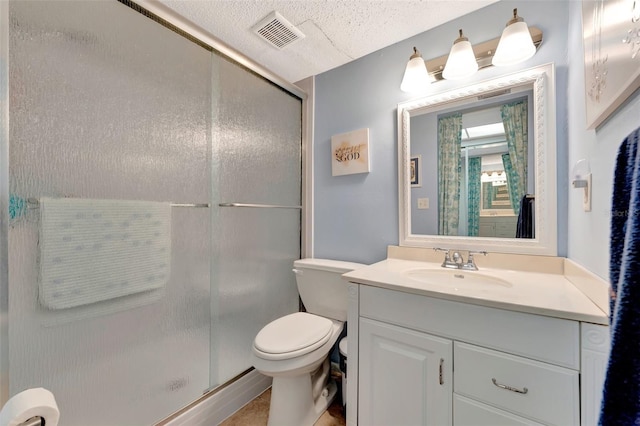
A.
pixel 422 360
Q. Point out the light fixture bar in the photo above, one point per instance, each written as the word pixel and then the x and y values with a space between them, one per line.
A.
pixel 484 53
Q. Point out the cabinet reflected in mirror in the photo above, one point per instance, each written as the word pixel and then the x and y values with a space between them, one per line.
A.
pixel 488 166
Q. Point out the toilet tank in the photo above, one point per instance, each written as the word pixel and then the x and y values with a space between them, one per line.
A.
pixel 321 287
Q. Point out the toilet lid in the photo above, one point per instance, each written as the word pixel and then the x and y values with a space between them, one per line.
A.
pixel 296 334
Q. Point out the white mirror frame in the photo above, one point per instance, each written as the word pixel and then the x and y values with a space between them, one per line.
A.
pixel 542 80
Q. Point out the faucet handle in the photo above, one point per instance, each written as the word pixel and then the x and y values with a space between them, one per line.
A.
pixel 482 252
pixel 447 258
pixel 471 264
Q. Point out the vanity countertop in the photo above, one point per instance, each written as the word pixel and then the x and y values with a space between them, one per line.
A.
pixel 550 293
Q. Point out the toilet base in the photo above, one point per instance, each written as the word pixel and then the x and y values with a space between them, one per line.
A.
pixel 293 402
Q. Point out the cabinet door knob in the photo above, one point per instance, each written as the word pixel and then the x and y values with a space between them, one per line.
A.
pixel 509 388
pixel 441 379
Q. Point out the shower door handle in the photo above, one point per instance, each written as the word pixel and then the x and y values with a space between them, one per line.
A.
pixel 259 206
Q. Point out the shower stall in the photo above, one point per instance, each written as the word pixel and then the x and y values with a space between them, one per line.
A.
pixel 151 210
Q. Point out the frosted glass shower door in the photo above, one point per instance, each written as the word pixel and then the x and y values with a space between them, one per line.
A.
pixel 256 160
pixel 108 105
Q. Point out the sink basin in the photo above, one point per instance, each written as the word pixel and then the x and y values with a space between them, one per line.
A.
pixel 456 278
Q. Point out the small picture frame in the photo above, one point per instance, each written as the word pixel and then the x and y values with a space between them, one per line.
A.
pixel 415 170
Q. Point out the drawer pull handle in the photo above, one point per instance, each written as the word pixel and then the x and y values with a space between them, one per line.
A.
pixel 441 380
pixel 501 386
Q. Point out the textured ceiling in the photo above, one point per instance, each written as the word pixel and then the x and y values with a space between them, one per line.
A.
pixel 337 31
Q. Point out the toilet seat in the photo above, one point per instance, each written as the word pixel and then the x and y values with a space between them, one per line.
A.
pixel 291 336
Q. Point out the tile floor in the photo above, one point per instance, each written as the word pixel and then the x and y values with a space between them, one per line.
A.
pixel 256 413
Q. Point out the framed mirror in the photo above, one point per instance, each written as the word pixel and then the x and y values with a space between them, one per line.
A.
pixel 487 166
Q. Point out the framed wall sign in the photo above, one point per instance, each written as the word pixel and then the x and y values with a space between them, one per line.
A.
pixel 611 40
pixel 350 153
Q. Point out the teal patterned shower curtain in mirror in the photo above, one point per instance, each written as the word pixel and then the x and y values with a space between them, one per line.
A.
pixel 449 144
pixel 475 175
pixel 514 117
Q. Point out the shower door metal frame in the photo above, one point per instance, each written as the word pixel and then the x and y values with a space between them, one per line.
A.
pixel 4 201
pixel 182 23
pixel 201 34
pixel 305 94
pixel 167 14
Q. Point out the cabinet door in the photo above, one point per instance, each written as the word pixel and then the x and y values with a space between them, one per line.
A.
pixel 405 377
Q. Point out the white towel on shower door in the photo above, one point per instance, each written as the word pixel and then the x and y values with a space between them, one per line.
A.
pixel 94 250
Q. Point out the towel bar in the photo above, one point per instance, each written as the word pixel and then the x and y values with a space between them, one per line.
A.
pixel 34 203
pixel 261 206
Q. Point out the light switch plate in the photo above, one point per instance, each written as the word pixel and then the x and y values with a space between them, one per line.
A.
pixel 423 203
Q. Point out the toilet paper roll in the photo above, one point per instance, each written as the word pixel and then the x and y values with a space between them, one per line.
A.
pixel 28 404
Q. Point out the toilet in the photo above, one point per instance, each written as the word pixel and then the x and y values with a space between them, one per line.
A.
pixel 294 349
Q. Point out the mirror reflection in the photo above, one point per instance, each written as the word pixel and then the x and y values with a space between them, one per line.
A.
pixel 484 166
pixel 477 168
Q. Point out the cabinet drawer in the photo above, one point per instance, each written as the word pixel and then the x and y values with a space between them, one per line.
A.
pixel 543 392
pixel 467 412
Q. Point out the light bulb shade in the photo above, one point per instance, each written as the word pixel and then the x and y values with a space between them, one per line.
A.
pixel 416 77
pixel 461 62
pixel 515 45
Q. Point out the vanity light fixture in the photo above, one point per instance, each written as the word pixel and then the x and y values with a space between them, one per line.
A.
pixel 496 178
pixel 516 44
pixel 416 77
pixel 462 61
pixel 484 55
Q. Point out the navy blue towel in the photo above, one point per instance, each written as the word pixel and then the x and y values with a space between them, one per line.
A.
pixel 525 227
pixel 621 395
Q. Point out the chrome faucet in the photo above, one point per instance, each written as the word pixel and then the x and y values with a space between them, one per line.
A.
pixel 455 261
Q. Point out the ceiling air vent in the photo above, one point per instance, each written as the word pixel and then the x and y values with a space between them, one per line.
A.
pixel 277 31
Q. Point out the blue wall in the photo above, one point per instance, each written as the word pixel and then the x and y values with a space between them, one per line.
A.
pixel 356 216
pixel 422 131
pixel 588 237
